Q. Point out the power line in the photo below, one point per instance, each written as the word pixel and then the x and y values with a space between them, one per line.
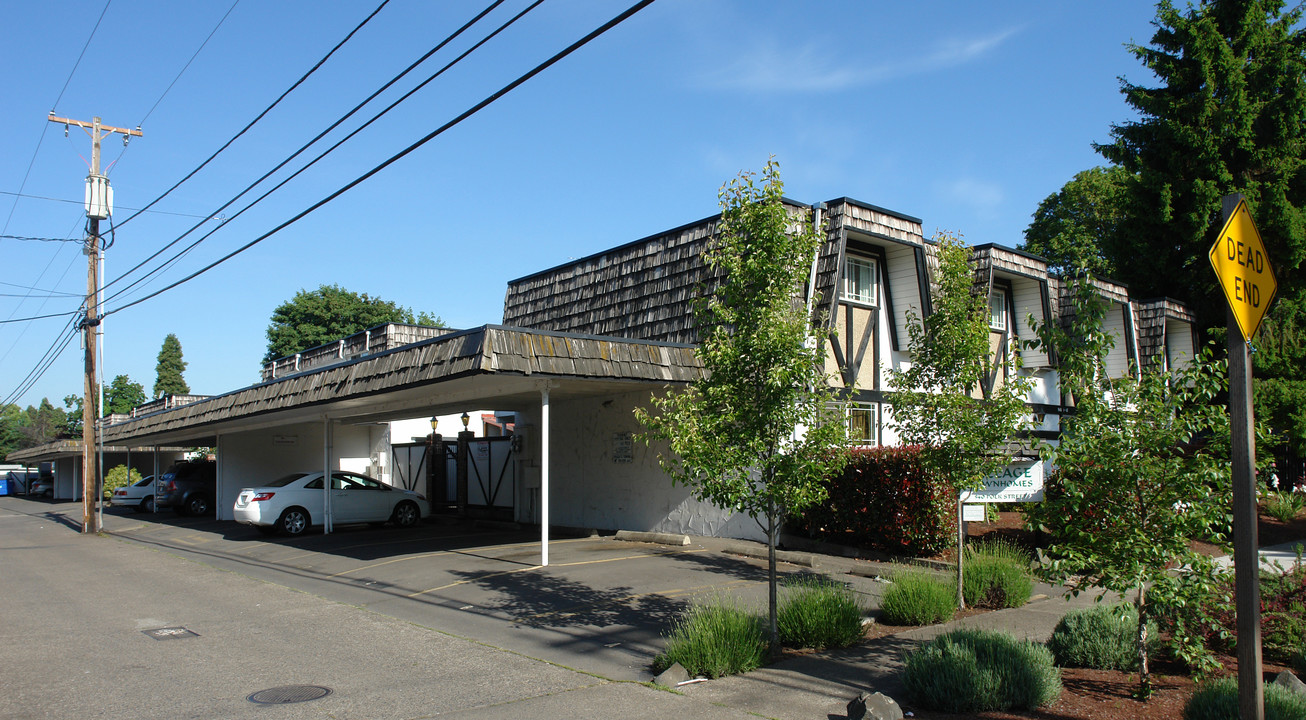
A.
pixel 322 134
pixel 32 163
pixel 187 65
pixel 41 290
pixel 259 117
pixel 65 336
pixel 403 153
pixel 38 239
pixel 83 53
pixel 82 202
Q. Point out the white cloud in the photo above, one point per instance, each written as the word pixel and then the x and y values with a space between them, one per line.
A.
pixel 773 67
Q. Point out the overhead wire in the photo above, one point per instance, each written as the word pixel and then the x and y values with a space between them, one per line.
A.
pixel 260 116
pixel 188 62
pixel 322 134
pixel 403 153
pixel 82 202
pixel 45 125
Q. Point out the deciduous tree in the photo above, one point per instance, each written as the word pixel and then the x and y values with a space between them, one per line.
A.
pixel 940 402
pixel 763 431
pixel 316 317
pixel 1142 469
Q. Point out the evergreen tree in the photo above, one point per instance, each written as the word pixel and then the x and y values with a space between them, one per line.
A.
pixel 168 378
pixel 1083 224
pixel 1226 117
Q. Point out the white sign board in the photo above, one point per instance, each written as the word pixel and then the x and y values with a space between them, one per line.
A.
pixel 1019 482
pixel 972 512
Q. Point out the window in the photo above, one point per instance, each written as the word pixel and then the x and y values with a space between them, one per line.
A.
pixel 998 309
pixel 864 423
pixel 861 280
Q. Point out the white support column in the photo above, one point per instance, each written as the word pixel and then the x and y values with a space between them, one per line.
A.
pixel 544 475
pixel 326 474
pixel 217 471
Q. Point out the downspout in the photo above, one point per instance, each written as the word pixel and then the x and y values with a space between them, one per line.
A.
pixel 816 258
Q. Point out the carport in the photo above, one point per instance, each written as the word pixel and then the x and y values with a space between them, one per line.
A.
pixel 585 386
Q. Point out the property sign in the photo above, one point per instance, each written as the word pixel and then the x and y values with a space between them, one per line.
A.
pixel 1244 270
pixel 1019 482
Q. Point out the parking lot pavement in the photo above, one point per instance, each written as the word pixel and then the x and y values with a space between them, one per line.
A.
pixel 103 627
pixel 600 606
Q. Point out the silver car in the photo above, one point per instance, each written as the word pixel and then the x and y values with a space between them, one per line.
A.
pixel 296 502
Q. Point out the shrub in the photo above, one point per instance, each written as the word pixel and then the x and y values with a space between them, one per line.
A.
pixel 1218 700
pixel 118 477
pixel 1283 614
pixel 715 638
pixel 917 597
pixel 997 575
pixel 1299 660
pixel 1102 637
pixel 979 670
pixel 887 500
pixel 817 612
pixel 1283 505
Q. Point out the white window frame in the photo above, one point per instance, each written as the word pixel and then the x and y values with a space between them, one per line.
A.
pixel 867 296
pixel 872 411
pixel 998 321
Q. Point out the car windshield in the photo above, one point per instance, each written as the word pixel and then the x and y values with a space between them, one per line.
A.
pixel 284 481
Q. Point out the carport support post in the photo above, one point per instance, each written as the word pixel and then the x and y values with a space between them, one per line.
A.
pixel 544 476
pixel 326 474
pixel 463 459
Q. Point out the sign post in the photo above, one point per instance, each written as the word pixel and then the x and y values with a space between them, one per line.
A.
pixel 1243 268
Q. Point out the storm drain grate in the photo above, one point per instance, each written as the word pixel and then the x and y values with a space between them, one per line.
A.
pixel 170 633
pixel 289 694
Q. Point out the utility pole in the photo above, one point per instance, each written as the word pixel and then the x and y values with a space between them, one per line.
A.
pixel 99 201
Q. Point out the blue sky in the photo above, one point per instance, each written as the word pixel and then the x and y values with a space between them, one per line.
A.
pixel 963 114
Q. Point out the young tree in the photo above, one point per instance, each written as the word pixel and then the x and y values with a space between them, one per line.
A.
pixel 313 318
pixel 168 378
pixel 939 401
pixel 1138 476
pixel 763 431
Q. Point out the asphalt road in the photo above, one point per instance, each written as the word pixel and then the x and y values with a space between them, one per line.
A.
pixel 444 620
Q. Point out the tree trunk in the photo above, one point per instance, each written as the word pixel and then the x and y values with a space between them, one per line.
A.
pixel 774 626
pixel 1144 675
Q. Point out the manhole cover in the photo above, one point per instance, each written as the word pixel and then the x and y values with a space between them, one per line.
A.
pixel 170 633
pixel 289 694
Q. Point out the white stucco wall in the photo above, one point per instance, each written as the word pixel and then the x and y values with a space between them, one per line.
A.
pixel 252 458
pixel 590 488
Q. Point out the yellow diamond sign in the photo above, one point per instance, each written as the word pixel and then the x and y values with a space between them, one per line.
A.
pixel 1243 267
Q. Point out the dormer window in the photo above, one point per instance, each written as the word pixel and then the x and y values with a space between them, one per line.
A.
pixel 998 309
pixel 861 280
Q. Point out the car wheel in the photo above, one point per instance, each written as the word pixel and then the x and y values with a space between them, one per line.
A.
pixel 147 505
pixel 197 505
pixel 406 514
pixel 294 521
pixel 48 494
pixel 267 530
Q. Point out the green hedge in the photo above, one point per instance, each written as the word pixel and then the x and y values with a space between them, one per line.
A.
pixel 968 671
pixel 885 500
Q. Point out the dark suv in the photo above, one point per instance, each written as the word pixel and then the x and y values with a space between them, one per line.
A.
pixel 188 488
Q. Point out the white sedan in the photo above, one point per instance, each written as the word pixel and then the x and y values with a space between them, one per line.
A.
pixel 295 502
pixel 139 495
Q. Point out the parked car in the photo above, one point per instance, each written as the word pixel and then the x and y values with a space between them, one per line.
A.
pixel 188 488
pixel 294 503
pixel 42 487
pixel 138 496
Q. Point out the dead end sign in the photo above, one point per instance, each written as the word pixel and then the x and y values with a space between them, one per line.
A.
pixel 1243 268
